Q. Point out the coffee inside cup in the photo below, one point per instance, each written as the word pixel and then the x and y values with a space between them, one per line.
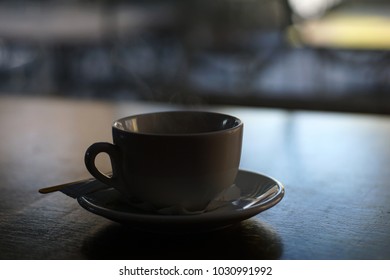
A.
pixel 177 123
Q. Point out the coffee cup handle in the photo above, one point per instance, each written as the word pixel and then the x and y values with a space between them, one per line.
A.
pixel 112 151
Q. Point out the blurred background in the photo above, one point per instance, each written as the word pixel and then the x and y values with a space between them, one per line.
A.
pixel 295 54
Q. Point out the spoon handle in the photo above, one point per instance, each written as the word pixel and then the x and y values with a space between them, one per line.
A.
pixel 64 186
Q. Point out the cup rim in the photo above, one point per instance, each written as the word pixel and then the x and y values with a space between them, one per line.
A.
pixel 238 123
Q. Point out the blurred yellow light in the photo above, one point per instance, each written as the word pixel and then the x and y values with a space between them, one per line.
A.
pixel 348 31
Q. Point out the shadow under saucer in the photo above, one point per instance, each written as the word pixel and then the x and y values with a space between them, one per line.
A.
pixel 250 239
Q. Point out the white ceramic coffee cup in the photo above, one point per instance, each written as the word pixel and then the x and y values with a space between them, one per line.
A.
pixel 183 158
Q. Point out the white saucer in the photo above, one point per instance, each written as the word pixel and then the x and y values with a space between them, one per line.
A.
pixel 258 193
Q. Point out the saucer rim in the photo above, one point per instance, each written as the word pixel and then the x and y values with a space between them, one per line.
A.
pixel 228 216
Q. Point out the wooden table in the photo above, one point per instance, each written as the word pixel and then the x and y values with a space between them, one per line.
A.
pixel 335 168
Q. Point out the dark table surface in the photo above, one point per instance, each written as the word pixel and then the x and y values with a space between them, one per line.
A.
pixel 335 168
